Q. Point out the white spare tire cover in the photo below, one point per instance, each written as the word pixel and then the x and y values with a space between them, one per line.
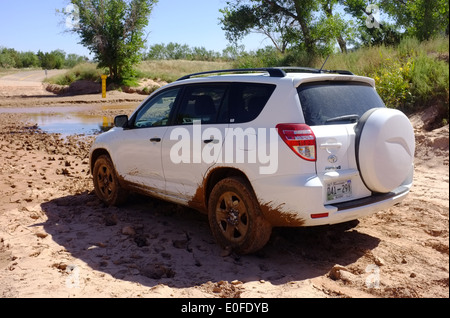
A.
pixel 385 146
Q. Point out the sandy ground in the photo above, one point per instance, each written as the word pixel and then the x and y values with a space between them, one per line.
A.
pixel 58 240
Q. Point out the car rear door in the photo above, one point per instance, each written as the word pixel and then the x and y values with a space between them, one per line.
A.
pixel 332 110
pixel 193 144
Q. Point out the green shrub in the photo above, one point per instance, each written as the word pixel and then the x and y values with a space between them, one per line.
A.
pixel 430 86
pixel 83 71
pixel 130 82
pixel 267 57
pixel 87 71
pixel 393 83
pixel 430 77
pixel 409 47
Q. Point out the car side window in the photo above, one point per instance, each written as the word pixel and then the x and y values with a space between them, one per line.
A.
pixel 201 103
pixel 247 101
pixel 157 110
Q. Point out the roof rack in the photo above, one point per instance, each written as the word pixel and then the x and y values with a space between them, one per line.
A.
pixel 273 71
pixel 298 69
pixel 342 72
pixel 313 70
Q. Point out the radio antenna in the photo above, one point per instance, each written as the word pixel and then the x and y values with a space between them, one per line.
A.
pixel 320 71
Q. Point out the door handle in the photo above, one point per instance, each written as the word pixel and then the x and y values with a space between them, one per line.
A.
pixel 156 139
pixel 331 145
pixel 208 141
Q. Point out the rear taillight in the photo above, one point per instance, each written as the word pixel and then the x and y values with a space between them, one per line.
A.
pixel 300 138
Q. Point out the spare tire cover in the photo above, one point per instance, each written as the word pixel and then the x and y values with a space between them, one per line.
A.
pixel 385 146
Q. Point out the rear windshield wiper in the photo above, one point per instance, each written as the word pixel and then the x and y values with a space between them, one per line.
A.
pixel 351 118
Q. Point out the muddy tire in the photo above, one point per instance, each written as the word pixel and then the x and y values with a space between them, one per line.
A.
pixel 106 184
pixel 235 217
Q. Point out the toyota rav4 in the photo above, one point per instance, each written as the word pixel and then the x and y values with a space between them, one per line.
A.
pixel 260 148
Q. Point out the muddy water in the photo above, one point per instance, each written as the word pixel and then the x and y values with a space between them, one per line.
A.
pixel 72 120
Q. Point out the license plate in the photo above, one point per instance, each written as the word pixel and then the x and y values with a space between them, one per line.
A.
pixel 339 190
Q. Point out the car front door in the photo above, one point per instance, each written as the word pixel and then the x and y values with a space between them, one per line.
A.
pixel 138 159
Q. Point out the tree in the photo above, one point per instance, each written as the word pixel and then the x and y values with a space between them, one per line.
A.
pixel 232 52
pixel 156 52
pixel 240 20
pixel 7 57
pixel 113 30
pixel 74 59
pixel 370 29
pixel 176 51
pixel 333 25
pixel 52 60
pixel 29 59
pixel 307 24
pixel 422 19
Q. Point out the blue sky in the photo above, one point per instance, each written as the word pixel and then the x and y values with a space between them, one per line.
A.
pixel 31 25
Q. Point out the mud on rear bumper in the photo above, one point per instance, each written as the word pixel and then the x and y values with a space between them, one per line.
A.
pixel 293 212
pixel 356 209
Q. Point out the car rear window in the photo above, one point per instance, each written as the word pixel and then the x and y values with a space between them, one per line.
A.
pixel 332 102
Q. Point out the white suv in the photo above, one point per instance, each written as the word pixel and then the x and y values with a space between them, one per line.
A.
pixel 261 148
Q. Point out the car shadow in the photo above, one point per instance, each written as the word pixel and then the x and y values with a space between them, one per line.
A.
pixel 152 242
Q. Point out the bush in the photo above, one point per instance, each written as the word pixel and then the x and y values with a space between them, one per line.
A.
pixel 393 83
pixel 6 60
pixel 430 86
pixel 87 71
pixel 430 77
pixel 414 83
pixel 129 82
pixel 52 60
pixel 267 57
pixel 84 71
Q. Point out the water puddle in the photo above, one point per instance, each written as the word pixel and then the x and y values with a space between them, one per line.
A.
pixel 73 120
pixel 72 124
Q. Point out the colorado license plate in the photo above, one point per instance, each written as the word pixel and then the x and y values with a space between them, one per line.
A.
pixel 339 190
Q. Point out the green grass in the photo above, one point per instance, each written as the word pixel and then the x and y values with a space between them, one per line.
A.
pixel 370 60
pixel 84 71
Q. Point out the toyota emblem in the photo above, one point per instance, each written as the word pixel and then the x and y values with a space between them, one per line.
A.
pixel 332 159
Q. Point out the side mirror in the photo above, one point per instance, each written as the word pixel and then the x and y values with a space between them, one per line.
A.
pixel 121 121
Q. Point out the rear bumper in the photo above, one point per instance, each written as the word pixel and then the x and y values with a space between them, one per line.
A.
pixel 360 208
pixel 298 202
pixel 374 199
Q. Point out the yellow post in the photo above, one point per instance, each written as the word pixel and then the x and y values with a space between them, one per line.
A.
pixel 105 122
pixel 104 77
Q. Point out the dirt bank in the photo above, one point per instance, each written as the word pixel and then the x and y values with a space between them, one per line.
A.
pixel 58 240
